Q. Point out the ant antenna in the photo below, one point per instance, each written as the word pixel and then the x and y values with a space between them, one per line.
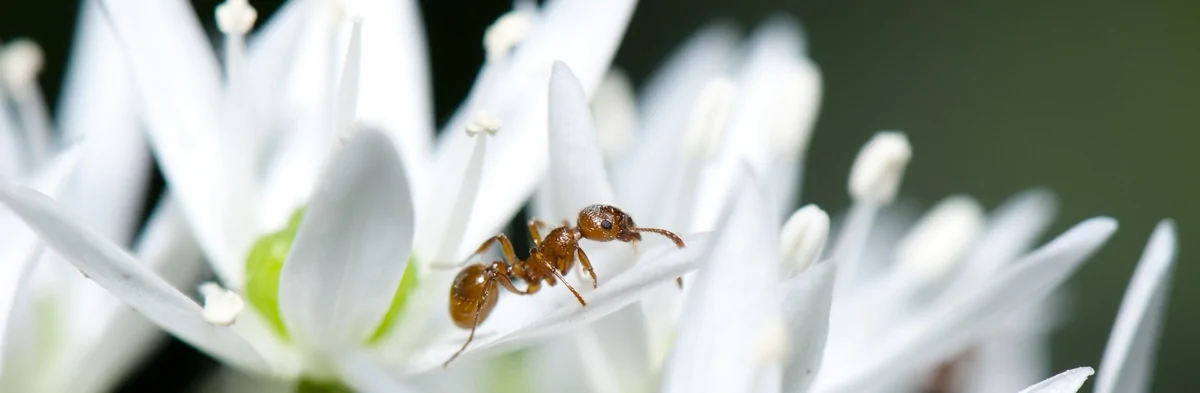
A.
pixel 670 235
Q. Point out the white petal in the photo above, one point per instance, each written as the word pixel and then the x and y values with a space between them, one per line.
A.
pixel 806 305
pixel 577 176
pixel 352 246
pixel 1128 362
pixel 1067 382
pixel 19 332
pixel 654 267
pixel 115 270
pixel 1011 230
pixel 269 52
pixel 395 89
pixel 582 34
pixel 366 376
pixel 613 352
pixel 666 104
pixel 99 106
pixel 178 80
pixel 963 318
pixel 733 301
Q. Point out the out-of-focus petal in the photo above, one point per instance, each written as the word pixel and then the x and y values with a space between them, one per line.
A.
pixel 956 322
pixel 729 311
pixel 111 267
pixel 205 162
pixel 808 297
pixel 1129 356
pixel 577 175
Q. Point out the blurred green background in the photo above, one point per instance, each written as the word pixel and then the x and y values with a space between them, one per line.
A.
pixel 1094 100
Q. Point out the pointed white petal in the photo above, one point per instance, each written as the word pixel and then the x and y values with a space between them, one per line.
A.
pixel 1128 362
pixel 1011 230
pixel 205 162
pixel 115 270
pixel 806 304
pixel 395 89
pixel 582 34
pixel 99 107
pixel 1067 382
pixel 577 176
pixel 19 332
pixel 732 303
pixel 666 104
pixel 613 351
pixel 352 246
pixel 269 54
pixel 654 267
pixel 960 319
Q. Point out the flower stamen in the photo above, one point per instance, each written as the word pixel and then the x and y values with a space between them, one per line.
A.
pixel 803 238
pixel 235 18
pixel 221 306
pixel 940 238
pixel 20 63
pixel 505 33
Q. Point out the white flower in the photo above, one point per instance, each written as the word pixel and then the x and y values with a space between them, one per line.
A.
pixel 61 332
pixel 364 216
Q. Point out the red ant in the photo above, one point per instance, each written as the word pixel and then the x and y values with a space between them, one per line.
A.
pixel 476 288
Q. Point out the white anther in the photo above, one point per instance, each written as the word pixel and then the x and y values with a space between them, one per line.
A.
pixel 940 238
pixel 236 17
pixel 615 111
pixel 772 344
pixel 221 306
pixel 803 238
pixel 483 122
pixel 505 33
pixel 800 97
pixel 708 118
pixel 875 176
pixel 20 62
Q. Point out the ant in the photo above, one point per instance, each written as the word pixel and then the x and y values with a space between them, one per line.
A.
pixel 476 288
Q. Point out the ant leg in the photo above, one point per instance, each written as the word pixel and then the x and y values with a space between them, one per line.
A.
pixel 505 245
pixel 586 264
pixel 487 291
pixel 534 224
pixel 564 281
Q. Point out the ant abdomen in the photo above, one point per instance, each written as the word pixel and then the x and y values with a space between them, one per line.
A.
pixel 471 286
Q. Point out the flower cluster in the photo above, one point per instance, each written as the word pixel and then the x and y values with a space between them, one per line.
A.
pixel 302 165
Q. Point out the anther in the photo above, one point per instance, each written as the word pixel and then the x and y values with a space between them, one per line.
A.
pixel 803 238
pixel 483 122
pixel 940 238
pixel 235 17
pixel 800 89
pixel 875 176
pixel 505 33
pixel 708 117
pixel 20 62
pixel 221 306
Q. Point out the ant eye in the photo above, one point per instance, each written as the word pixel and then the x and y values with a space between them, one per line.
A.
pixel 606 224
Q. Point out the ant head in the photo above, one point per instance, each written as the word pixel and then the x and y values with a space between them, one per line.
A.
pixel 605 223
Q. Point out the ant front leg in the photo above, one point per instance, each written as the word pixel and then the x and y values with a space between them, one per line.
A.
pixel 550 268
pixel 510 255
pixel 534 224
pixel 586 264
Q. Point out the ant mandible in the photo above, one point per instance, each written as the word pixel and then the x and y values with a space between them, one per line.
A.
pixel 476 288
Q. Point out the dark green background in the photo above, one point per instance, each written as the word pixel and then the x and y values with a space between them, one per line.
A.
pixel 1095 100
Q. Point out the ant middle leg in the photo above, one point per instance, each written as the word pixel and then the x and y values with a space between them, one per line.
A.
pixel 586 264
pixel 506 246
pixel 550 268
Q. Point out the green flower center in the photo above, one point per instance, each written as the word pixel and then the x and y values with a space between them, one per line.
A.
pixel 311 386
pixel 262 280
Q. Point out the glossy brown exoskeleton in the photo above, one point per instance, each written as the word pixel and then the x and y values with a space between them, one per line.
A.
pixel 475 290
